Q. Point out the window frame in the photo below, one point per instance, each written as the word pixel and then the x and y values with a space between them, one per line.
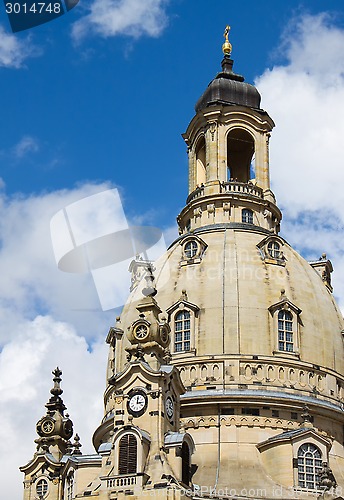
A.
pixel 274 250
pixel 131 455
pixel 42 480
pixel 184 331
pixel 285 305
pixel 199 249
pixel 247 213
pixel 285 331
pixel 70 485
pixel 304 465
pixel 172 311
pixel 142 449
pixel 193 251
pixel 271 249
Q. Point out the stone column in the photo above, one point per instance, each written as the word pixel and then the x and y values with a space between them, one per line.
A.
pixel 211 141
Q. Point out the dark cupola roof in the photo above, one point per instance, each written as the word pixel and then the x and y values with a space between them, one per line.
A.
pixel 228 87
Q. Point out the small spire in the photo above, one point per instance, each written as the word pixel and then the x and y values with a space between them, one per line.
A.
pixel 56 390
pixel 55 402
pixel 70 448
pixel 227 46
pixel 77 445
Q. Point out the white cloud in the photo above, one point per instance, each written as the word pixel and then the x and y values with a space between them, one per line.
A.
pixel 27 144
pixel 34 297
pixel 13 50
pixel 31 282
pixel 134 18
pixel 305 97
pixel 26 363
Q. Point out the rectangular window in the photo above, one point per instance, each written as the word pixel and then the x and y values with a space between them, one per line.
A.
pixel 227 411
pixel 250 411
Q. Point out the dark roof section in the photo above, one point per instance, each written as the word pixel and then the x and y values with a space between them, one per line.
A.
pixel 229 88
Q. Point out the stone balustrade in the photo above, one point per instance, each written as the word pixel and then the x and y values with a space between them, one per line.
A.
pixel 124 481
pixel 232 187
pixel 247 188
pixel 272 374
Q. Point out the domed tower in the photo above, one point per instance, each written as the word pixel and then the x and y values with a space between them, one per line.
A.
pixel 225 370
pixel 255 331
pixel 54 429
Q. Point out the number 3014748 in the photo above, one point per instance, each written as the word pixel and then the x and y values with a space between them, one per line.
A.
pixel 34 8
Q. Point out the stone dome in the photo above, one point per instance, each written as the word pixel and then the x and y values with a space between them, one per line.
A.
pixel 235 289
pixel 229 88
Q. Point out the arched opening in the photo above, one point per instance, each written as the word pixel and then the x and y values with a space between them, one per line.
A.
pixel 182 331
pixel 127 455
pixel 309 465
pixel 185 463
pixel 240 155
pixel 201 176
pixel 70 486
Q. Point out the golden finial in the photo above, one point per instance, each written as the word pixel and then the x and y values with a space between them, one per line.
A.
pixel 227 47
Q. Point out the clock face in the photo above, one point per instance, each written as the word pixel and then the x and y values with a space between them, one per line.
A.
pixel 169 407
pixel 47 426
pixel 137 403
pixel 141 332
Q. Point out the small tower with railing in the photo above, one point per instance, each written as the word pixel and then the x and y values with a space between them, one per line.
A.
pixel 228 150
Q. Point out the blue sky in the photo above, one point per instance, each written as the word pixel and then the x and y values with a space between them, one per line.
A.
pixel 98 99
pixel 103 107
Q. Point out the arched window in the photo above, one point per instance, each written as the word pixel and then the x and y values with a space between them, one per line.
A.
pixel 285 331
pixel 70 486
pixel 309 464
pixel 182 331
pixel 240 151
pixel 127 455
pixel 247 216
pixel 185 463
pixel 274 250
pixel 201 162
pixel 42 488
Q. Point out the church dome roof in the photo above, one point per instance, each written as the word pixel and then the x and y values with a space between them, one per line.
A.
pixel 238 290
pixel 229 88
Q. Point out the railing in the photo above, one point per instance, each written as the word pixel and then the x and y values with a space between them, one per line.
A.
pixel 242 187
pixel 109 415
pixel 125 481
pixel 199 191
pixel 271 374
pixel 234 187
